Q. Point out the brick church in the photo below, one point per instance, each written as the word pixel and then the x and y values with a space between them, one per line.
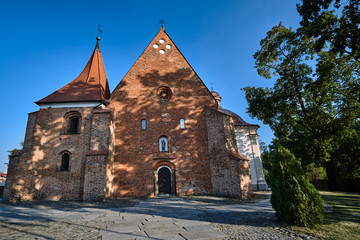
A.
pixel 161 131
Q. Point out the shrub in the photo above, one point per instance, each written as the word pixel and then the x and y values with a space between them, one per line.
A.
pixel 294 198
pixel 266 156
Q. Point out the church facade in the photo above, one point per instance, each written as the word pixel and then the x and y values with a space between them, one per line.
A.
pixel 161 131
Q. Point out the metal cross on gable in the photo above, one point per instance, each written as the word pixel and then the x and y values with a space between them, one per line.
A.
pixel 99 30
pixel 162 22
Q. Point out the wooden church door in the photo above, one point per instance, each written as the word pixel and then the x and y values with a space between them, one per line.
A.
pixel 164 181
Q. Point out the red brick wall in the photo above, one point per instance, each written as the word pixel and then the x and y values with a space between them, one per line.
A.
pixel 245 179
pixel 137 150
pixel 226 172
pixel 98 181
pixel 35 174
pixel 95 177
pixel 30 127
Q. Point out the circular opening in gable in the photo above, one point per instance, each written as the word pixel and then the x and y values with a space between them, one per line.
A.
pixel 164 93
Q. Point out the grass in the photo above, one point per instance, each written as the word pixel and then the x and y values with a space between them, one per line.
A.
pixel 342 220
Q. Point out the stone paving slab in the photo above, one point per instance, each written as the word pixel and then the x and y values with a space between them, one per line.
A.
pixel 209 235
pixel 159 227
pixel 199 228
pixel 165 222
pixel 123 229
pixel 156 218
pixel 113 235
pixel 185 223
pixel 110 219
pixel 91 216
pixel 161 233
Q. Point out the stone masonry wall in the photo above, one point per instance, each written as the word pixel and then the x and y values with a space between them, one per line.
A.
pixel 224 170
pixel 229 134
pixel 30 127
pixel 245 179
pixel 95 178
pixel 99 163
pixel 37 170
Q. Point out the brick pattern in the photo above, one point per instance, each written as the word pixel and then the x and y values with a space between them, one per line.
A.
pixel 29 134
pixel 112 156
pixel 226 171
pixel 98 181
pixel 37 174
pixel 137 150
pixel 95 177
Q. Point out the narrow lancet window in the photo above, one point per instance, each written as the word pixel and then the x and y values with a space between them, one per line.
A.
pixel 182 123
pixel 65 162
pixel 72 123
pixel 163 144
pixel 143 124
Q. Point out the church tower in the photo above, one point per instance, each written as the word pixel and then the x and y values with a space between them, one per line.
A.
pixel 66 141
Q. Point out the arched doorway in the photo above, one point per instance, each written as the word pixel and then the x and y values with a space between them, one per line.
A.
pixel 164 180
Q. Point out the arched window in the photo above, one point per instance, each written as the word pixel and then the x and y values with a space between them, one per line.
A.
pixel 143 124
pixel 65 162
pixel 72 121
pixel 163 144
pixel 73 125
pixel 182 123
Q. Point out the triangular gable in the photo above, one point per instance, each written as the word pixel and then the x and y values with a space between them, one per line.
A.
pixel 161 57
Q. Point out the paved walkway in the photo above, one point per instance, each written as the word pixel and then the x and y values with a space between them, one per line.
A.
pixel 156 218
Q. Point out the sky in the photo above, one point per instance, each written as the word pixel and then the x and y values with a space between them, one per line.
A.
pixel 46 44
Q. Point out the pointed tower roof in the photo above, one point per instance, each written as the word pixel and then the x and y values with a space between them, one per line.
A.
pixel 90 86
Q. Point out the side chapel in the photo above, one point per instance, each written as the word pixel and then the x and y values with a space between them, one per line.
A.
pixel 161 131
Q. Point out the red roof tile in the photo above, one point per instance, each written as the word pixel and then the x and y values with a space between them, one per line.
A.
pixel 90 85
pixel 238 121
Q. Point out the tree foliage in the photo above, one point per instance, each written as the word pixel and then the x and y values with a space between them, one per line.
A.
pixel 332 22
pixel 294 198
pixel 13 151
pixel 315 101
pixel 267 153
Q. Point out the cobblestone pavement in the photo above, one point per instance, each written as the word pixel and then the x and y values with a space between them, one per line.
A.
pixel 156 218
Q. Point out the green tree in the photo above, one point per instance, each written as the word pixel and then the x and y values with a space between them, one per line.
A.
pixel 13 151
pixel 334 23
pixel 266 158
pixel 315 98
pixel 294 199
pixel 348 154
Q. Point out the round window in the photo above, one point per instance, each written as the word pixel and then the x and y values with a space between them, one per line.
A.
pixel 164 93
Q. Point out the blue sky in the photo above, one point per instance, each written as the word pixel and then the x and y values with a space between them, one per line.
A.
pixel 46 44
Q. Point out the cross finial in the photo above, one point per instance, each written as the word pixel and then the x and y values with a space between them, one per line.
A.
pixel 212 86
pixel 162 22
pixel 99 31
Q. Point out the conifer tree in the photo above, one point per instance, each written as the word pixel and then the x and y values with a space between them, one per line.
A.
pixel 294 198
